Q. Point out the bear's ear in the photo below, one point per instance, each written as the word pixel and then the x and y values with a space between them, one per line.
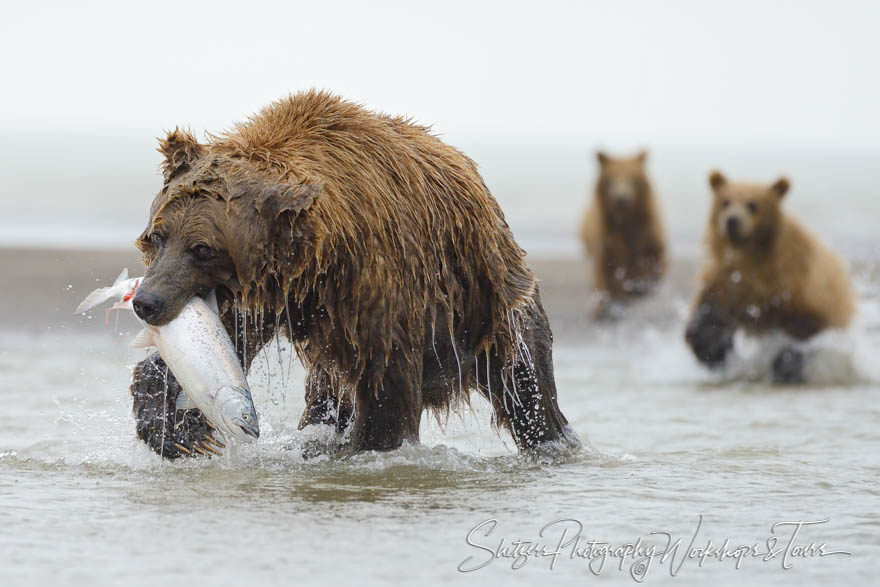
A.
pixel 642 156
pixel 601 157
pixel 717 180
pixel 780 188
pixel 180 149
pixel 274 199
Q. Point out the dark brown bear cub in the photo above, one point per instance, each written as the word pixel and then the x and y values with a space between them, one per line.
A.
pixel 622 232
pixel 375 247
pixel 764 272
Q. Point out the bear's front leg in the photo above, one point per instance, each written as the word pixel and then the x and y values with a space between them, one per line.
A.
pixel 325 404
pixel 788 366
pixel 710 334
pixel 169 433
pixel 384 418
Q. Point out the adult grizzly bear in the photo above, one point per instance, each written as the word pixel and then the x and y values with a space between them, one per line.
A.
pixel 376 248
pixel 622 232
pixel 765 272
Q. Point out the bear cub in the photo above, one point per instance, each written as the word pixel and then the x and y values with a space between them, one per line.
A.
pixel 622 233
pixel 764 272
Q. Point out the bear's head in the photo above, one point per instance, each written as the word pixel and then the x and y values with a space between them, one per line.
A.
pixel 214 223
pixel 622 188
pixel 746 214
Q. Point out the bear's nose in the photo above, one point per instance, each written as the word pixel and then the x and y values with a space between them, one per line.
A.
pixel 621 200
pixel 733 225
pixel 147 305
pixel 622 193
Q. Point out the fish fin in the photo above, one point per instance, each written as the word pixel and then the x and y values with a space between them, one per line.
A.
pixel 122 276
pixel 100 295
pixel 211 300
pixel 144 339
pixel 184 402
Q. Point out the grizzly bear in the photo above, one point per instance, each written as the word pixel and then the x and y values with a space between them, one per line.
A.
pixel 375 248
pixel 622 232
pixel 765 272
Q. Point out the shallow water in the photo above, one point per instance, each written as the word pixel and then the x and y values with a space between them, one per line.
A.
pixel 83 503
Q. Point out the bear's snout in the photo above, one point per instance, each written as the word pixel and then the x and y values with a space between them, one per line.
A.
pixel 734 227
pixel 147 306
pixel 622 194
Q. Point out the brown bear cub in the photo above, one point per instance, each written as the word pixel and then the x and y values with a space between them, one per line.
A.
pixel 375 248
pixel 765 272
pixel 622 232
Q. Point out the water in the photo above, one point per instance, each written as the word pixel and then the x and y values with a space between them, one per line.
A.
pixel 83 503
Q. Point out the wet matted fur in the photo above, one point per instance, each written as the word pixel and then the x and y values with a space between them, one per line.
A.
pixel 376 248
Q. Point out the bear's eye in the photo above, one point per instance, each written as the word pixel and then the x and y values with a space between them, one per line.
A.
pixel 203 252
pixel 725 203
pixel 752 206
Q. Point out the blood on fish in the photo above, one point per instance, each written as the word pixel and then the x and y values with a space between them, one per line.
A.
pixel 130 294
pixel 118 305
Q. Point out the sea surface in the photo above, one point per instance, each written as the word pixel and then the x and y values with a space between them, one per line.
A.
pixel 672 454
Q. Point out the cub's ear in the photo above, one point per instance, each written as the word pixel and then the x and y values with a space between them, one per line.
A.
pixel 180 149
pixel 601 157
pixel 642 156
pixel 781 187
pixel 717 180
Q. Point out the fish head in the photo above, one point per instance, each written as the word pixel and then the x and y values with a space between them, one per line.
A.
pixel 235 414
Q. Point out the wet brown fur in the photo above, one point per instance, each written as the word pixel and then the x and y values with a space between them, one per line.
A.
pixel 627 246
pixel 364 238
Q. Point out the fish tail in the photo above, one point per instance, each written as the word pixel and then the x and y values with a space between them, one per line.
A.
pixel 99 296
pixel 102 294
pixel 123 275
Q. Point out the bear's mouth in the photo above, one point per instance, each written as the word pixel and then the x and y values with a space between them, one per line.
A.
pixel 734 231
pixel 225 295
pixel 737 238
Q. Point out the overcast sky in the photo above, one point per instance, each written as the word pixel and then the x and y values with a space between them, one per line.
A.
pixel 673 72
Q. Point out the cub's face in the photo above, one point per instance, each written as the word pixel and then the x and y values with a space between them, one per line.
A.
pixel 623 185
pixel 746 213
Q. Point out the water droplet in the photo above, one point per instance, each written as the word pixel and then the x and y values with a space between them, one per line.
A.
pixel 736 277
